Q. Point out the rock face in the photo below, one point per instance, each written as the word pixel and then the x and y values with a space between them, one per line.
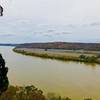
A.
pixel 3 76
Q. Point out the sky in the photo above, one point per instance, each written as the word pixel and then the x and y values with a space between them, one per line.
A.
pixel 50 20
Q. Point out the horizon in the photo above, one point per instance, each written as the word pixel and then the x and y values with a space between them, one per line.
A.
pixel 49 42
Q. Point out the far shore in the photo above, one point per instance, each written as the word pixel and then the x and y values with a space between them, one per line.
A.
pixel 78 56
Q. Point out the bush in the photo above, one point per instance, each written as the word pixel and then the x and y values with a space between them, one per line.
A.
pixel 23 93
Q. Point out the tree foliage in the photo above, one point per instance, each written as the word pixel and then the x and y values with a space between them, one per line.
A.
pixel 3 76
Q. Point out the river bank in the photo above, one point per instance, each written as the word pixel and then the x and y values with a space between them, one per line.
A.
pixel 30 93
pixel 87 57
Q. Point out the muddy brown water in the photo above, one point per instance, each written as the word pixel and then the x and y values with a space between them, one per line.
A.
pixel 71 79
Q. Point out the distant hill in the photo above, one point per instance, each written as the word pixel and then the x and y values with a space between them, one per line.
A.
pixel 62 45
pixel 5 44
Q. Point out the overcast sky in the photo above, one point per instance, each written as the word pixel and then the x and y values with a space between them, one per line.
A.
pixel 50 20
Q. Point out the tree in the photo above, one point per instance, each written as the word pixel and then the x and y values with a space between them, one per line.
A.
pixel 1 10
pixel 3 76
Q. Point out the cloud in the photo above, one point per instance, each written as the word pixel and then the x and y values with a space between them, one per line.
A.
pixel 71 25
pixel 56 33
pixel 95 24
pixel 6 35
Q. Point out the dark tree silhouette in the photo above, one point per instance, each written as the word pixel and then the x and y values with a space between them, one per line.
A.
pixel 3 76
pixel 1 10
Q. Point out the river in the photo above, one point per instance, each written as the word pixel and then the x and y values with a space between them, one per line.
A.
pixel 71 79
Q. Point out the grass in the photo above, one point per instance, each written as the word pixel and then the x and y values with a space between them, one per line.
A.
pixel 61 56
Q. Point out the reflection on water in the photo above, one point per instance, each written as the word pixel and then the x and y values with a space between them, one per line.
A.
pixel 74 80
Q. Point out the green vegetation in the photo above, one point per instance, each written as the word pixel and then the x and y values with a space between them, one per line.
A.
pixel 90 59
pixel 46 55
pixel 80 58
pixel 30 93
pixel 88 99
pixel 22 93
pixel 3 76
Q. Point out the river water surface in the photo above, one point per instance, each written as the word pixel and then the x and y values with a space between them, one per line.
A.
pixel 71 79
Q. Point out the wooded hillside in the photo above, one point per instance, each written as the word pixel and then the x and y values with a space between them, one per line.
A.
pixel 62 45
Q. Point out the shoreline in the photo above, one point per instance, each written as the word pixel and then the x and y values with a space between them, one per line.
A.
pixel 76 57
pixel 30 92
